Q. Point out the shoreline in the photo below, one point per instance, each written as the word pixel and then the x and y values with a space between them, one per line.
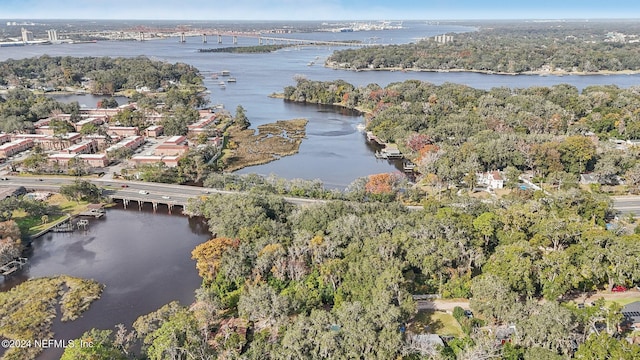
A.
pixel 489 72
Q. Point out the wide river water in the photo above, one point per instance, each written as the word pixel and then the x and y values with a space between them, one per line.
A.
pixel 144 258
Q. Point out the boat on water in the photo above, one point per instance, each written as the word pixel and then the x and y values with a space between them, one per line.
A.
pixel 214 76
pixel 361 127
pixel 231 80
pixel 310 63
pixel 225 73
pixel 222 84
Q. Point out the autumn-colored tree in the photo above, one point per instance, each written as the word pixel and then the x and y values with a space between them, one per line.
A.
pixel 382 186
pixel 426 150
pixel 416 142
pixel 209 254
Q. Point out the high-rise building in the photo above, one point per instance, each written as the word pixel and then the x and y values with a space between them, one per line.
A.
pixel 27 35
pixel 53 35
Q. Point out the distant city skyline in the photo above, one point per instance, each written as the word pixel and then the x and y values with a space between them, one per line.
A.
pixel 316 9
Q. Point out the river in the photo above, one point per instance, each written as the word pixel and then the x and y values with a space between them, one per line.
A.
pixel 144 258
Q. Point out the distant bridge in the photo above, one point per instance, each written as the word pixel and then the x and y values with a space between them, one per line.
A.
pixel 141 35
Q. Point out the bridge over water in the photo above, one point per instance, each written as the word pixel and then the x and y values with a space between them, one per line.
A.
pixel 204 34
pixel 136 192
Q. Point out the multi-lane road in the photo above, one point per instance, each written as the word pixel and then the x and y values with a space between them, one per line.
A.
pixel 133 190
pixel 629 204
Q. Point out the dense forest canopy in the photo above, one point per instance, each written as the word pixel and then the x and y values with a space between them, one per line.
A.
pixel 511 48
pixel 335 280
pixel 451 130
pixel 107 75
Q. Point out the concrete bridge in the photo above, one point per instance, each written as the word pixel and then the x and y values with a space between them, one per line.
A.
pixel 130 192
pixel 164 200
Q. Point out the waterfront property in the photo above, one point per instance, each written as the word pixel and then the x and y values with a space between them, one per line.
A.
pixel 13 266
pixel 389 153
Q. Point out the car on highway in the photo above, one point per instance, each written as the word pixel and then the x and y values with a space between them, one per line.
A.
pixel 619 288
pixel 124 186
pixel 166 197
pixel 143 192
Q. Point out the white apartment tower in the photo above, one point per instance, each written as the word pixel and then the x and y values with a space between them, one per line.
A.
pixel 52 34
pixel 27 35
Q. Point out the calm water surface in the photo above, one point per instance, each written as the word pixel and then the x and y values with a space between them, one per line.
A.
pixel 144 259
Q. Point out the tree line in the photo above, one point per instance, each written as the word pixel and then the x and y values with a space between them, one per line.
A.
pixel 107 75
pixel 510 48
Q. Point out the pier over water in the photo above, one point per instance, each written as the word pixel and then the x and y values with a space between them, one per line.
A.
pixel 13 266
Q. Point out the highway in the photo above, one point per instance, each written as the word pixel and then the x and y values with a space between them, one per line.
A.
pixel 155 192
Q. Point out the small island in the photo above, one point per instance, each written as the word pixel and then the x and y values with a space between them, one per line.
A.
pixel 260 49
pixel 28 310
pixel 272 141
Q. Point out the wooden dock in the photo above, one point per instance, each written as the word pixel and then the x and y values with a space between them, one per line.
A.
pixel 96 213
pixel 63 227
pixel 13 266
pixel 373 138
pixel 408 166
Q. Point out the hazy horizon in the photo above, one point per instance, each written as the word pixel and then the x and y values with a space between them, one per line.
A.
pixel 316 10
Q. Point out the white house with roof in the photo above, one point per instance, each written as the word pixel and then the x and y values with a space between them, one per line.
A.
pixel 492 179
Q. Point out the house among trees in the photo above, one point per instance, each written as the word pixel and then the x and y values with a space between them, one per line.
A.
pixel 631 313
pixel 587 179
pixel 426 344
pixel 492 179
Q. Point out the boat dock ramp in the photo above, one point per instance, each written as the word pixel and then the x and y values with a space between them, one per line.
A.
pixel 388 151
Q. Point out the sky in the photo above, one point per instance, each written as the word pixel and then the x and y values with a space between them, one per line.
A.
pixel 317 9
